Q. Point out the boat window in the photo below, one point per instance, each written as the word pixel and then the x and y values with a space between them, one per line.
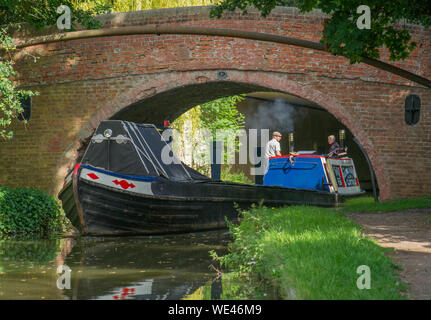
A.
pixel 349 176
pixel 26 105
pixel 412 109
pixel 337 173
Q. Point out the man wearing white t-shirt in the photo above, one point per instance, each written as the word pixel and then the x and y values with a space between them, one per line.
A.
pixel 272 148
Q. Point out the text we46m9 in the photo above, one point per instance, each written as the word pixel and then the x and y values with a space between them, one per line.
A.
pixel 236 309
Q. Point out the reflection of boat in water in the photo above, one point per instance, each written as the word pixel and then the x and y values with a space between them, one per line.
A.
pixel 144 290
pixel 124 186
pixel 160 268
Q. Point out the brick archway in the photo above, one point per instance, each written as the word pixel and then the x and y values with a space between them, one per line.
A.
pixel 266 80
pixel 83 81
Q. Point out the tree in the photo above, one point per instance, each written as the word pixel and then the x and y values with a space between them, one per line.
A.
pixel 38 14
pixel 44 13
pixel 224 122
pixel 222 114
pixel 341 34
pixel 10 96
pixel 215 120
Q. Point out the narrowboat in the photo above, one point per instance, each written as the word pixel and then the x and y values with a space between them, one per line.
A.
pixel 123 185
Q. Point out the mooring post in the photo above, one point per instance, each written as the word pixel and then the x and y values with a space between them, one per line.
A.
pixel 258 178
pixel 216 160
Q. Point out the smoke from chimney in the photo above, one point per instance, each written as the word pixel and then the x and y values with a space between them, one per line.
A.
pixel 275 116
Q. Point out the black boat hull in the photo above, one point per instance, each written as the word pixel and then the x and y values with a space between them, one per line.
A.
pixel 173 207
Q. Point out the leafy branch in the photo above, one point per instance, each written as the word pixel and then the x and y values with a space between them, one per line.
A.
pixel 10 96
pixel 341 35
pixel 38 14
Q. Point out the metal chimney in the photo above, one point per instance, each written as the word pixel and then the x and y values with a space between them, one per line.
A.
pixel 291 143
pixel 342 137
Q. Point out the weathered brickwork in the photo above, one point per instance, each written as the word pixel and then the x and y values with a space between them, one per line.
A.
pixel 82 82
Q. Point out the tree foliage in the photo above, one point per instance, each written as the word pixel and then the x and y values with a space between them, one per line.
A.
pixel 341 34
pixel 38 14
pixel 41 13
pixel 215 120
pixel 44 13
pixel 224 122
pixel 222 114
pixel 10 96
pixel 133 5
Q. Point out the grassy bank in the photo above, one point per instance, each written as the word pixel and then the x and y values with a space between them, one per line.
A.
pixel 304 253
pixel 367 204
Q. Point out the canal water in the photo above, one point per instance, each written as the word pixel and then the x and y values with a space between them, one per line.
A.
pixel 112 268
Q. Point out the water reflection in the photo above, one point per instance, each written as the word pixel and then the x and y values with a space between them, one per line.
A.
pixel 168 267
pixel 27 269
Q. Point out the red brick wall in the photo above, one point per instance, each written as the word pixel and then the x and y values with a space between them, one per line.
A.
pixel 82 82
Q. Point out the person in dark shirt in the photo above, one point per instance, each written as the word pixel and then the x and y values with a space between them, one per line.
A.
pixel 333 145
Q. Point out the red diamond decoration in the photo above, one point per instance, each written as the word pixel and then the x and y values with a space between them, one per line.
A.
pixel 93 176
pixel 124 184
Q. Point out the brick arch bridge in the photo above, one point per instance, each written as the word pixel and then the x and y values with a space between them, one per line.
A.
pixel 150 77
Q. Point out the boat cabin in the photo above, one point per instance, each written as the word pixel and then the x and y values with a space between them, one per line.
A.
pixel 313 172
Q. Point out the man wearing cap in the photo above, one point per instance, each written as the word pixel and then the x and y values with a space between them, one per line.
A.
pixel 272 148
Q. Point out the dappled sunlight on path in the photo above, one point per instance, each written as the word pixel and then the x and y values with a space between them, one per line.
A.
pixel 409 233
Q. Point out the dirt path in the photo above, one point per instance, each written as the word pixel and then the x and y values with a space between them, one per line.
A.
pixel 409 232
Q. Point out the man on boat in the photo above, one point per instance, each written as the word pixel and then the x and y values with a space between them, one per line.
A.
pixel 333 145
pixel 272 149
pixel 335 149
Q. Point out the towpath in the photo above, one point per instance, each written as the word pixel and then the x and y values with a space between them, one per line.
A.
pixel 409 233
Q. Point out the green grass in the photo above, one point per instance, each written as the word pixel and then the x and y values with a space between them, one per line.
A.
pixel 239 177
pixel 367 204
pixel 305 253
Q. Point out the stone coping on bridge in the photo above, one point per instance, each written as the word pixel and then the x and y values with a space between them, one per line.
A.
pixel 150 16
pixel 165 15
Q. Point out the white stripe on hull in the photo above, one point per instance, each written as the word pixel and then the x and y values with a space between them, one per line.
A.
pixel 134 186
